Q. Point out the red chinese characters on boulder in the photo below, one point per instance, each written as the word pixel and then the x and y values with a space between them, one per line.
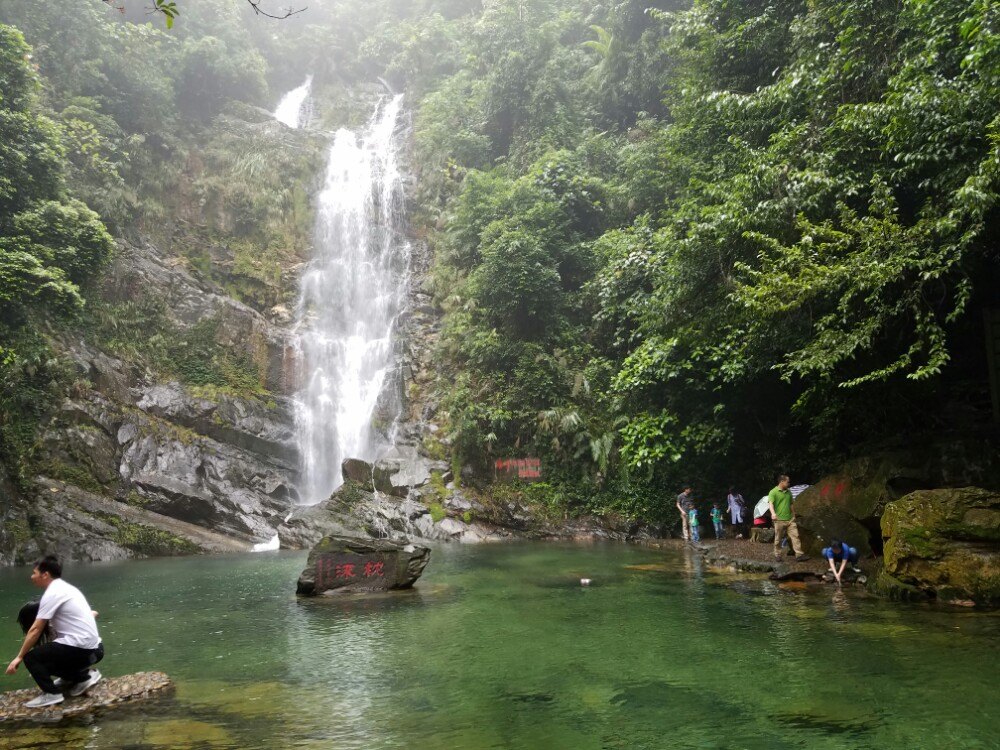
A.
pixel 358 571
pixel 523 469
pixel 836 491
pixel 340 563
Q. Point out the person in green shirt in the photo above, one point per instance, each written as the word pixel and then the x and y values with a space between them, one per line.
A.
pixel 693 524
pixel 717 520
pixel 780 501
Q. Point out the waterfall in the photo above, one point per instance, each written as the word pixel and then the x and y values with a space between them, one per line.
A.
pixel 293 108
pixel 349 298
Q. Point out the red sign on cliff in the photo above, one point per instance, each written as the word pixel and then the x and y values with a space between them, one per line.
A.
pixel 525 469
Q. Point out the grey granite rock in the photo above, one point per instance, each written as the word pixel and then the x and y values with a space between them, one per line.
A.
pixel 344 563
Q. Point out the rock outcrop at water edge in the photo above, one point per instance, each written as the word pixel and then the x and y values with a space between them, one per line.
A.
pixel 225 462
pixel 849 504
pixel 110 692
pixel 945 543
pixel 355 510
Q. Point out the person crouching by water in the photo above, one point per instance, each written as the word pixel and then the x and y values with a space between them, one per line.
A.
pixel 839 554
pixel 75 644
pixel 717 521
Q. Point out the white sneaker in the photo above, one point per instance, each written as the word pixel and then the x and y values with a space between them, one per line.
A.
pixel 82 687
pixel 58 682
pixel 45 699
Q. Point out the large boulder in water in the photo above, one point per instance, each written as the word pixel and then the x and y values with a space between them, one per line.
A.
pixel 339 563
pixel 946 542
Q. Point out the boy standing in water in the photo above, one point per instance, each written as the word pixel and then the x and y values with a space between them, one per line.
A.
pixel 693 523
pixel 717 520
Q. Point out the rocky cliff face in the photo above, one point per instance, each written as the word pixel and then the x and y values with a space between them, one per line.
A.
pixel 127 437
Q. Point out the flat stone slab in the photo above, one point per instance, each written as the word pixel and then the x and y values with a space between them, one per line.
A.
pixel 112 691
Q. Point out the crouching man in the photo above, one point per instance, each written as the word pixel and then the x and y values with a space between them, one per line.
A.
pixel 75 645
pixel 839 554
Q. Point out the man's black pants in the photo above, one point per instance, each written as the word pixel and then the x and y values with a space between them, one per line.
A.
pixel 70 663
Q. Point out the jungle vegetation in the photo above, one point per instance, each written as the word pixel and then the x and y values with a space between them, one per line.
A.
pixel 673 241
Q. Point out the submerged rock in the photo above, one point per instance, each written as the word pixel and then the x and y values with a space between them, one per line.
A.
pixel 946 543
pixel 880 583
pixel 109 692
pixel 353 564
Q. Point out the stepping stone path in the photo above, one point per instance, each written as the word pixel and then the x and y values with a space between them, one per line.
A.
pixel 112 691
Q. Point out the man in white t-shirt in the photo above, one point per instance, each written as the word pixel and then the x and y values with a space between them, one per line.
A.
pixel 74 644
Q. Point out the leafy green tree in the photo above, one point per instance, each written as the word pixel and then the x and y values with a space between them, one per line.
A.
pixel 827 220
pixel 66 235
pixel 49 244
pixel 210 74
pixel 48 241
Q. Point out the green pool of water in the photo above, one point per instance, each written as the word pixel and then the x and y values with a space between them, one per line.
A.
pixel 500 647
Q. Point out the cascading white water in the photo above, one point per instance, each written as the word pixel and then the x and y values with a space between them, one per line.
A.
pixel 292 109
pixel 350 296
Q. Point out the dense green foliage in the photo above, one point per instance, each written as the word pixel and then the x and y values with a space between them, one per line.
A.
pixel 49 244
pixel 146 128
pixel 674 241
pixel 711 243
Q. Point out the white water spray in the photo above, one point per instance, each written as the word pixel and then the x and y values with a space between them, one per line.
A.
pixel 350 296
pixel 293 108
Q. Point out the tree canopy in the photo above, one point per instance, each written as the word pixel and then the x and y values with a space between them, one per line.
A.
pixel 673 241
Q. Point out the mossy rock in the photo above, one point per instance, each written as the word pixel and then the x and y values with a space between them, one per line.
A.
pixel 946 542
pixel 849 504
pixel 882 584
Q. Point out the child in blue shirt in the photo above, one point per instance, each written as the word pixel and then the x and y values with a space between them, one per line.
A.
pixel 717 520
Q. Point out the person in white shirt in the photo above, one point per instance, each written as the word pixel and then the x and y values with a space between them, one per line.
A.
pixel 74 644
pixel 736 505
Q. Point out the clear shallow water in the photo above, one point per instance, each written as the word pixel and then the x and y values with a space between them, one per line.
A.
pixel 500 647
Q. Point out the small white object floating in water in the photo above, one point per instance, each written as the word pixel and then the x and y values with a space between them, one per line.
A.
pixel 584 581
pixel 269 546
